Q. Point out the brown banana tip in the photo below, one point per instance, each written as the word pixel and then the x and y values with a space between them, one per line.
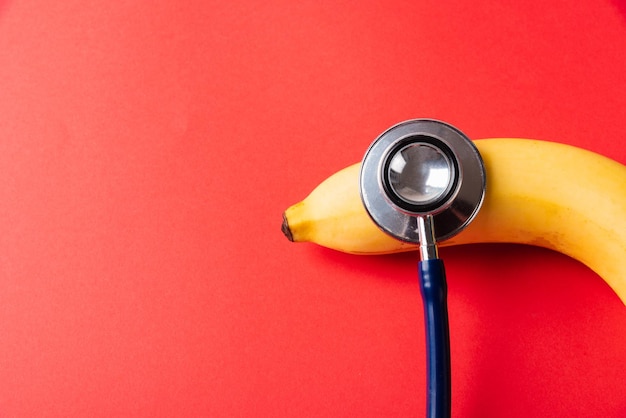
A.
pixel 285 228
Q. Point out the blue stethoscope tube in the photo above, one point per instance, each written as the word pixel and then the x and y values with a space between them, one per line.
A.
pixel 432 278
pixel 434 290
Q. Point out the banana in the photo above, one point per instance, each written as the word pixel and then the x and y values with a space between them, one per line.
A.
pixel 539 193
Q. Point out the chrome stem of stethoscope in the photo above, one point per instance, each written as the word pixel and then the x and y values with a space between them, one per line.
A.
pixel 422 181
pixel 426 231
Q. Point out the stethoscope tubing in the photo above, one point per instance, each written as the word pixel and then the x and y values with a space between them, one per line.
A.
pixel 433 288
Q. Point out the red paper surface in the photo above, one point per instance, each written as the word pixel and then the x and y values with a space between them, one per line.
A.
pixel 148 149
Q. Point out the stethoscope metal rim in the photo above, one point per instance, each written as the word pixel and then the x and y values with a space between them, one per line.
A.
pixel 461 203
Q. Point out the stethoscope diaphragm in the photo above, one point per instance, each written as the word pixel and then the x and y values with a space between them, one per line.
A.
pixel 422 167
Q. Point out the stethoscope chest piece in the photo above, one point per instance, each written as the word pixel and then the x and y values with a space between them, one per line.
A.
pixel 422 167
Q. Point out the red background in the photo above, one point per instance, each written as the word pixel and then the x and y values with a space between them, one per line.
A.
pixel 148 149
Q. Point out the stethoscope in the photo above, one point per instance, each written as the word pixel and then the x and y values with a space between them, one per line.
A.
pixel 423 181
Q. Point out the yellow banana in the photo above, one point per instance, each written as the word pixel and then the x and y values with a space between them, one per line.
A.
pixel 539 193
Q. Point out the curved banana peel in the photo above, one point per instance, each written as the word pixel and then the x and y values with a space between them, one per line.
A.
pixel 538 193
